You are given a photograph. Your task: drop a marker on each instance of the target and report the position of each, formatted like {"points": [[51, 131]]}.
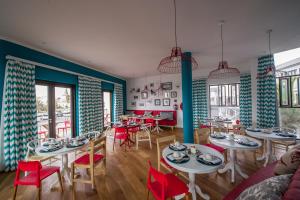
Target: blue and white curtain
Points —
{"points": [[245, 100], [19, 117], [200, 109], [266, 93], [118, 102], [90, 105]]}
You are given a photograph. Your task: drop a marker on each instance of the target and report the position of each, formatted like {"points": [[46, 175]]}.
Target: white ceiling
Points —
{"points": [[129, 38]]}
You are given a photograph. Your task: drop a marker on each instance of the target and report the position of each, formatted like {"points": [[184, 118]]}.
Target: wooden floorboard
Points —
{"points": [[126, 177]]}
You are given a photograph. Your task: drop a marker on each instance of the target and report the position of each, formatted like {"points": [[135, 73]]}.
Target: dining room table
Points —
{"points": [[128, 127], [64, 147], [234, 143], [268, 136], [157, 119], [193, 165]]}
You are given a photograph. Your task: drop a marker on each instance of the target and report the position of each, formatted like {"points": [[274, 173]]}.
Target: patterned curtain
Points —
{"points": [[19, 118], [118, 102], [90, 105], [245, 100], [200, 111], [266, 93]]}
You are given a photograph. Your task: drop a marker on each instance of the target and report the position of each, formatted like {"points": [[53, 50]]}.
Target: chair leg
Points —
{"points": [[40, 192], [137, 141], [114, 144], [150, 140], [187, 197], [15, 192], [92, 177], [148, 194], [60, 181]]}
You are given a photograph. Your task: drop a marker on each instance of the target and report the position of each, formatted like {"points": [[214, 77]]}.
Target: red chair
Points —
{"points": [[36, 174], [121, 134], [165, 185], [65, 128], [150, 121]]}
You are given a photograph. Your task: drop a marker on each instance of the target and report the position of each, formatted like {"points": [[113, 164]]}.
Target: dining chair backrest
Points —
{"points": [[161, 140], [158, 177], [32, 145], [201, 135], [96, 145]]}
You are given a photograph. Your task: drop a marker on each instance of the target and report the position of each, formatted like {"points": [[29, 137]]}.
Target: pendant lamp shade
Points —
{"points": [[172, 64], [224, 72]]}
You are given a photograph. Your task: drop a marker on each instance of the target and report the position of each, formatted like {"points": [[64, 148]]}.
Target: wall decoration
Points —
{"points": [[135, 97], [157, 102], [150, 101], [132, 90], [173, 94], [175, 100], [167, 94], [151, 84], [166, 102], [133, 103], [144, 95], [141, 104], [152, 92], [138, 90], [175, 107], [166, 86]]}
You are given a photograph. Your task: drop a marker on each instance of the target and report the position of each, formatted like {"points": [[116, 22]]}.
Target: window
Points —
{"points": [[55, 109], [289, 91], [224, 100]]}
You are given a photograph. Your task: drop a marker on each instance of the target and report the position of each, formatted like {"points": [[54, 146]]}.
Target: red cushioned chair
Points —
{"points": [[89, 160], [151, 122], [121, 134], [165, 186], [36, 174]]}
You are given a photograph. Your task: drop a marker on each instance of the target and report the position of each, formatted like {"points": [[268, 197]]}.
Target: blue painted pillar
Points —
{"points": [[186, 77]]}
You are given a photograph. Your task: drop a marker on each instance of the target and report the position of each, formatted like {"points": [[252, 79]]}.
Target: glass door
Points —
{"points": [[55, 108], [107, 107]]}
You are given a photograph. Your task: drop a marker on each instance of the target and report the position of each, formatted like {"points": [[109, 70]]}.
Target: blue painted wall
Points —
{"points": [[10, 48]]}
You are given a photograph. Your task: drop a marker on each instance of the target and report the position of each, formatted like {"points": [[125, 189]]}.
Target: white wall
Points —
{"points": [[149, 103], [249, 67]]}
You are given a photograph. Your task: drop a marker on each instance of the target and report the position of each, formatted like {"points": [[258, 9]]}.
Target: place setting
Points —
{"points": [[218, 135], [177, 146], [284, 132], [178, 157], [50, 145], [208, 159], [74, 143]]}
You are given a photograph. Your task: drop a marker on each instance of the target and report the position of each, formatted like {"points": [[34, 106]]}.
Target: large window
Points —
{"points": [[55, 109], [288, 92], [224, 101]]}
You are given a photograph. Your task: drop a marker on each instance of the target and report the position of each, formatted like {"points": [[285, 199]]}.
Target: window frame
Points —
{"points": [[220, 90], [290, 91]]}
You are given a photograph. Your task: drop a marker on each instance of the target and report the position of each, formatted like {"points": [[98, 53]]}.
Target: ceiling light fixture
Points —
{"points": [[223, 71], [172, 64]]}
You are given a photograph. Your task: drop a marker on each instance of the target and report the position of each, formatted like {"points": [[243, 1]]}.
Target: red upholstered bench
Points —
{"points": [[165, 122], [292, 193]]}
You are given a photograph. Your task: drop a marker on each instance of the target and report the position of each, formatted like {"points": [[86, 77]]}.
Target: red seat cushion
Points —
{"points": [[293, 191], [219, 149], [31, 178], [85, 159], [175, 187], [163, 161]]}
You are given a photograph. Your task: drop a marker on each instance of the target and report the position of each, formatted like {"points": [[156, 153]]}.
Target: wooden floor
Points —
{"points": [[126, 177]]}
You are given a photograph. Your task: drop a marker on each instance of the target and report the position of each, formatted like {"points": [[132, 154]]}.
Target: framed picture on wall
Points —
{"points": [[133, 103], [142, 104], [173, 94], [157, 102], [144, 95], [166, 102], [167, 94], [135, 97], [166, 86]]}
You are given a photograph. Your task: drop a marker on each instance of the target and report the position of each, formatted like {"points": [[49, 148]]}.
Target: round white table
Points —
{"points": [[233, 146], [268, 137], [64, 151], [157, 128], [193, 167]]}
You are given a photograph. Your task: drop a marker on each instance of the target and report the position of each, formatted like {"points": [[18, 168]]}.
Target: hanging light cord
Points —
{"points": [[174, 1], [269, 32], [222, 41]]}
